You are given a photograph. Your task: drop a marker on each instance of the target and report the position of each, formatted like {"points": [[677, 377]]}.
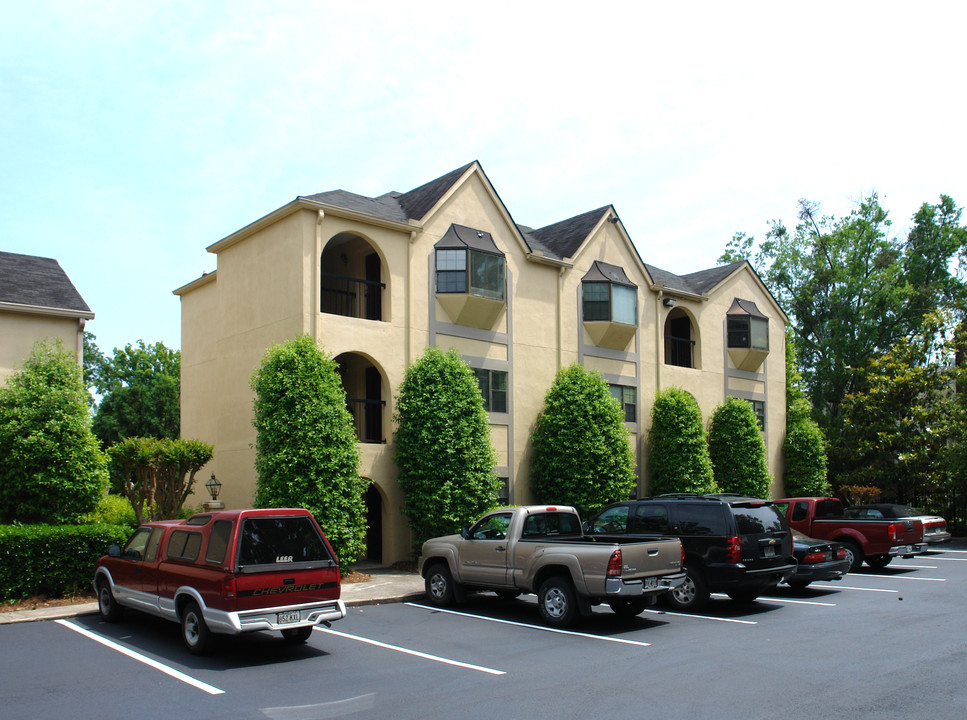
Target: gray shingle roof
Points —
{"points": [[385, 206], [38, 281], [562, 239], [697, 283], [417, 202]]}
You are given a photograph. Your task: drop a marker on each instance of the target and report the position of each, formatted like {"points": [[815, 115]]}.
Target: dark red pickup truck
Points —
{"points": [[875, 541], [225, 572]]}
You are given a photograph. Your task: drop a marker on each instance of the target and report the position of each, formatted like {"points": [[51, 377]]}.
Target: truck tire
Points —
{"points": [[106, 604], [439, 585], [878, 561], [692, 594], [853, 554], [194, 631], [297, 636], [557, 601], [627, 608]]}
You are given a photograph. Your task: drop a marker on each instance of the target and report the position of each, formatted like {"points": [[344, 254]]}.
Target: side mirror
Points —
{"points": [[465, 533], [114, 551]]}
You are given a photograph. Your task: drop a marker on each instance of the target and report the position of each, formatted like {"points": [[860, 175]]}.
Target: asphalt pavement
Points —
{"points": [[385, 586]]}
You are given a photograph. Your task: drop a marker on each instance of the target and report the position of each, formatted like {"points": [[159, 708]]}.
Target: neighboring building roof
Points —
{"points": [[697, 283], [562, 239], [38, 282], [418, 202]]}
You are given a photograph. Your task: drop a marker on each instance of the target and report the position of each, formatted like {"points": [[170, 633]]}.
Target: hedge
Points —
{"points": [[52, 560]]}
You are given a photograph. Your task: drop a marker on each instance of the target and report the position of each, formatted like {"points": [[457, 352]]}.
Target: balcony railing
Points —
{"points": [[351, 297], [678, 351], [368, 419]]}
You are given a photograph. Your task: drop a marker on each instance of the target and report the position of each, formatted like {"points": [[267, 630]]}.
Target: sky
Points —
{"points": [[133, 135]]}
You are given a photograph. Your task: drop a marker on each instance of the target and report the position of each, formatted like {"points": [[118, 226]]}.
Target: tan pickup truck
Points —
{"points": [[543, 550]]}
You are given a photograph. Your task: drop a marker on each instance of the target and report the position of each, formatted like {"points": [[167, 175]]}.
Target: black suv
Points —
{"points": [[738, 545]]}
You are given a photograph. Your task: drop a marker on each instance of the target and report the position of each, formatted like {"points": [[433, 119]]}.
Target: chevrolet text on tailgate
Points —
{"points": [[225, 572], [543, 550]]}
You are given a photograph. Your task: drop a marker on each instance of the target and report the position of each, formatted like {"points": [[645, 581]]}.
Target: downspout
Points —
{"points": [[560, 319], [659, 348], [316, 304], [407, 322], [81, 324]]}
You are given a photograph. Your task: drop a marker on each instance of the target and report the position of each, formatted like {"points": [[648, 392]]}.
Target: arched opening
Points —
{"points": [[374, 521], [351, 278], [679, 339], [363, 383]]}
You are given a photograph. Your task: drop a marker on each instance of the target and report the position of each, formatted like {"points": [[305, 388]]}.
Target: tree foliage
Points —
{"points": [[305, 447], [51, 468], [678, 459], [444, 454], [139, 388], [157, 475], [582, 455], [737, 450]]}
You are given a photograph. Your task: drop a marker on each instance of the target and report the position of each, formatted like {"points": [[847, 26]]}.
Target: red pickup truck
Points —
{"points": [[225, 572], [875, 541]]}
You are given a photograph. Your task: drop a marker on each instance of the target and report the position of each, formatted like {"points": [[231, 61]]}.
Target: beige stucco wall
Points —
{"points": [[266, 290], [19, 332]]}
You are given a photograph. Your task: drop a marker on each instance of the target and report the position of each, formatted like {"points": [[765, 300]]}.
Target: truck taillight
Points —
{"points": [[892, 532], [733, 549], [614, 564], [228, 588]]}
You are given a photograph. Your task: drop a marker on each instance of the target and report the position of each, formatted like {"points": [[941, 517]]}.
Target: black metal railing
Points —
{"points": [[678, 351], [368, 419], [352, 297]]}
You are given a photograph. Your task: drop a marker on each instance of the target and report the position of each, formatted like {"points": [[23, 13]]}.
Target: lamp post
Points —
{"points": [[213, 487]]}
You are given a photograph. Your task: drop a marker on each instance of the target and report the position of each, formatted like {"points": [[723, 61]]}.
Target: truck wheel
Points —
{"points": [[557, 601], [853, 554], [628, 608], [690, 595], [106, 604], [878, 561], [194, 631], [439, 585], [297, 636]]}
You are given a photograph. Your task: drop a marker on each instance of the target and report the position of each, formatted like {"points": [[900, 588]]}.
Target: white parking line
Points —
{"points": [[772, 598], [703, 617], [902, 577], [946, 559], [177, 675], [533, 627], [850, 587], [915, 567], [407, 651]]}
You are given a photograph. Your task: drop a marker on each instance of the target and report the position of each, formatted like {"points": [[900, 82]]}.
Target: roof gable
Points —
{"points": [[563, 239], [38, 282], [418, 202]]}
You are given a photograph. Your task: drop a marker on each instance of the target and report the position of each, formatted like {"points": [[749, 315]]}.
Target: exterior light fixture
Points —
{"points": [[213, 487], [669, 302]]}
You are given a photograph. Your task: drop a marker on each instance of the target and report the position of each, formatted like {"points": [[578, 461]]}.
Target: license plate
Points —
{"points": [[769, 551], [289, 617], [651, 583]]}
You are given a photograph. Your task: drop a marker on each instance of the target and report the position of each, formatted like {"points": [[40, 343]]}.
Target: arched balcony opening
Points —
{"points": [[363, 383], [351, 278], [680, 340]]}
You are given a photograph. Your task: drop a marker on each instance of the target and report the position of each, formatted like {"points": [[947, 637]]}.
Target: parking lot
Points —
{"points": [[888, 641]]}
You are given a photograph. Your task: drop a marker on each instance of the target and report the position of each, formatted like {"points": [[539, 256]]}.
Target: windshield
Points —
{"points": [[758, 519]]}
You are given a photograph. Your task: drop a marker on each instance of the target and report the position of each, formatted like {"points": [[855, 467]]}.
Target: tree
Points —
{"points": [[139, 387], [51, 468], [305, 445], [444, 455], [679, 459], [737, 450], [157, 475], [804, 448], [582, 455]]}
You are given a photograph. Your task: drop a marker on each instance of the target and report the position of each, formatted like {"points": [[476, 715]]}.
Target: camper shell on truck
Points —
{"points": [[542, 549], [226, 572]]}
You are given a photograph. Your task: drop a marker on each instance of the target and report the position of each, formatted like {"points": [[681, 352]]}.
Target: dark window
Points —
{"points": [[151, 550], [758, 519], [184, 545], [828, 508], [551, 524], [801, 511], [612, 520], [745, 331], [483, 275], [651, 519], [610, 302], [135, 547], [503, 491], [492, 527], [701, 520], [759, 408], [679, 345], [493, 388], [218, 542], [274, 540], [627, 397]]}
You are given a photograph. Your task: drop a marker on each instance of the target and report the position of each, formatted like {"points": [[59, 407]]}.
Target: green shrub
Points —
{"points": [[582, 456], [805, 455], [112, 510], [444, 454], [52, 560], [305, 443], [51, 467], [679, 460], [737, 450]]}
